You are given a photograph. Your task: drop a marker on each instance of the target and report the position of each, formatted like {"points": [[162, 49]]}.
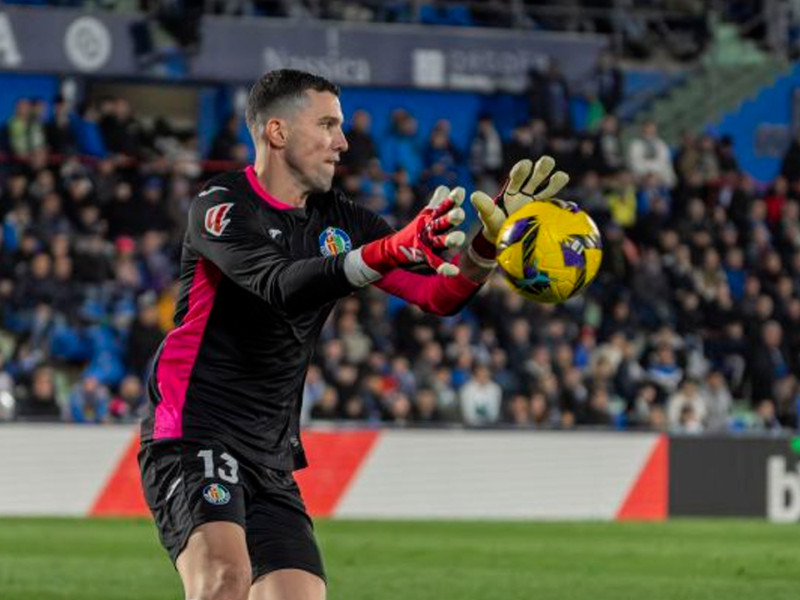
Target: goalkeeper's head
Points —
{"points": [[295, 119]]}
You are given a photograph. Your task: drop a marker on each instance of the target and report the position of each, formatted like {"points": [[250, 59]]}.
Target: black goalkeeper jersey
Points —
{"points": [[258, 280]]}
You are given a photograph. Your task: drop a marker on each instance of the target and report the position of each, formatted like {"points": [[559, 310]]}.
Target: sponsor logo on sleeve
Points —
{"points": [[215, 220], [333, 241]]}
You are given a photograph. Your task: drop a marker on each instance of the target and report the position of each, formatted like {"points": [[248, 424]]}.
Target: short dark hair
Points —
{"points": [[281, 86]]}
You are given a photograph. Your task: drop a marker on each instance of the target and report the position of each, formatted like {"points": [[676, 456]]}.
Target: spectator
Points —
{"points": [[121, 132], [541, 412], [726, 154], [144, 336], [480, 398], [597, 410], [519, 411], [520, 145], [549, 97], [402, 148], [442, 159], [426, 406], [376, 189], [25, 130], [647, 407], [59, 133], [765, 417], [88, 134], [649, 154], [153, 213], [768, 362], [361, 145], [687, 409], [328, 405], [607, 81], [89, 401], [776, 200], [664, 370], [790, 166], [40, 402], [226, 140], [609, 146], [399, 408], [130, 402], [486, 156], [719, 401]]}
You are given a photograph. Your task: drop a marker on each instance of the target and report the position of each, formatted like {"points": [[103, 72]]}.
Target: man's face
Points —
{"points": [[316, 141]]}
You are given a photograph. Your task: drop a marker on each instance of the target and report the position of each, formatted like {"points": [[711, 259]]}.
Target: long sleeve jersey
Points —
{"points": [[258, 280]]}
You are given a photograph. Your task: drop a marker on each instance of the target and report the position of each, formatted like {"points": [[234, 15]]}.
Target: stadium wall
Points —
{"points": [[763, 126], [460, 474]]}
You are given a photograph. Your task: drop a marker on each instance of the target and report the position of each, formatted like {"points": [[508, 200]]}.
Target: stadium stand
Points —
{"points": [[693, 324]]}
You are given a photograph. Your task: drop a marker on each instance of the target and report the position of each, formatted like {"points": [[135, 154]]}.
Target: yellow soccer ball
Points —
{"points": [[549, 251]]}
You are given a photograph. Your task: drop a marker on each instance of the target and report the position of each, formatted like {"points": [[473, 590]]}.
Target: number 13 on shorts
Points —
{"points": [[227, 471]]}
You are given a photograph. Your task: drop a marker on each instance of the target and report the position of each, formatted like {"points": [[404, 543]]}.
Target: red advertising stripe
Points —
{"points": [[649, 497], [334, 459], [122, 494]]}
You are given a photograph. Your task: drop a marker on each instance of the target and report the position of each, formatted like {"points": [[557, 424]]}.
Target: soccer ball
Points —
{"points": [[549, 251]]}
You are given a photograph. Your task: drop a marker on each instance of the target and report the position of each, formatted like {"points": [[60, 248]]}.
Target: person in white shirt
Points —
{"points": [[481, 398], [650, 154]]}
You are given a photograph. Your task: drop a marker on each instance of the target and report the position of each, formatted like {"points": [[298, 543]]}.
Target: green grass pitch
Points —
{"points": [[76, 559]]}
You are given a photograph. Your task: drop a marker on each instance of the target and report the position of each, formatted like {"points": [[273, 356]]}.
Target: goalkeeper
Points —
{"points": [[267, 252]]}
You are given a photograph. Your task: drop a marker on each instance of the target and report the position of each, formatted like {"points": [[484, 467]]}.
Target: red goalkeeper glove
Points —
{"points": [[420, 242]]}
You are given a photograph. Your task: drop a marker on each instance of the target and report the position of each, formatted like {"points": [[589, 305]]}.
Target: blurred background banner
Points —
{"points": [[125, 45], [428, 474]]}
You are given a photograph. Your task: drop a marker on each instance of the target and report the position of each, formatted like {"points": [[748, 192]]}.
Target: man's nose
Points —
{"points": [[340, 143]]}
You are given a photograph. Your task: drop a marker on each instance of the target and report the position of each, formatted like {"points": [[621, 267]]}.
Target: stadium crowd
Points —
{"points": [[693, 324]]}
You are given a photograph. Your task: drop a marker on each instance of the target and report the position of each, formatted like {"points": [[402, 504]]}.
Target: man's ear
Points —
{"points": [[276, 132]]}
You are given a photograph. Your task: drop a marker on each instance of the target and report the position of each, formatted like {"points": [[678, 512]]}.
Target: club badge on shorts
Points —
{"points": [[217, 494], [333, 241]]}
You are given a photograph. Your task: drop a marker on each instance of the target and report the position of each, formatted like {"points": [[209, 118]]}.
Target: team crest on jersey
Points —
{"points": [[216, 494], [215, 218], [334, 241]]}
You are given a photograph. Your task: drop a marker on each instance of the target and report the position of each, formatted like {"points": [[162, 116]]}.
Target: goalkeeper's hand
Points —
{"points": [[420, 242], [520, 189]]}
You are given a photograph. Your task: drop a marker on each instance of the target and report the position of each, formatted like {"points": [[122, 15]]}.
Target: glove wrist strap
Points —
{"points": [[377, 256], [482, 252], [483, 247], [357, 271]]}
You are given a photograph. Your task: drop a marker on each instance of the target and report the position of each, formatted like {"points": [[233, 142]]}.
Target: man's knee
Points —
{"points": [[221, 581], [288, 584]]}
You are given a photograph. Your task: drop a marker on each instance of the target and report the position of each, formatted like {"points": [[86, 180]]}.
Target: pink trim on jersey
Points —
{"points": [[432, 293], [265, 195], [180, 350]]}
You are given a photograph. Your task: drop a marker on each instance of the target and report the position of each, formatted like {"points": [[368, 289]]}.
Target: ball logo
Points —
{"points": [[87, 44], [334, 241], [215, 218], [216, 494]]}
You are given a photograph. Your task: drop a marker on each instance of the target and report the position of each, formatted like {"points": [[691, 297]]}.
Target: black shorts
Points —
{"points": [[187, 484]]}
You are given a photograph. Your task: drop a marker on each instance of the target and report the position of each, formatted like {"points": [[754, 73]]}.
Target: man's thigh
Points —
{"points": [[185, 487], [280, 534], [214, 565]]}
